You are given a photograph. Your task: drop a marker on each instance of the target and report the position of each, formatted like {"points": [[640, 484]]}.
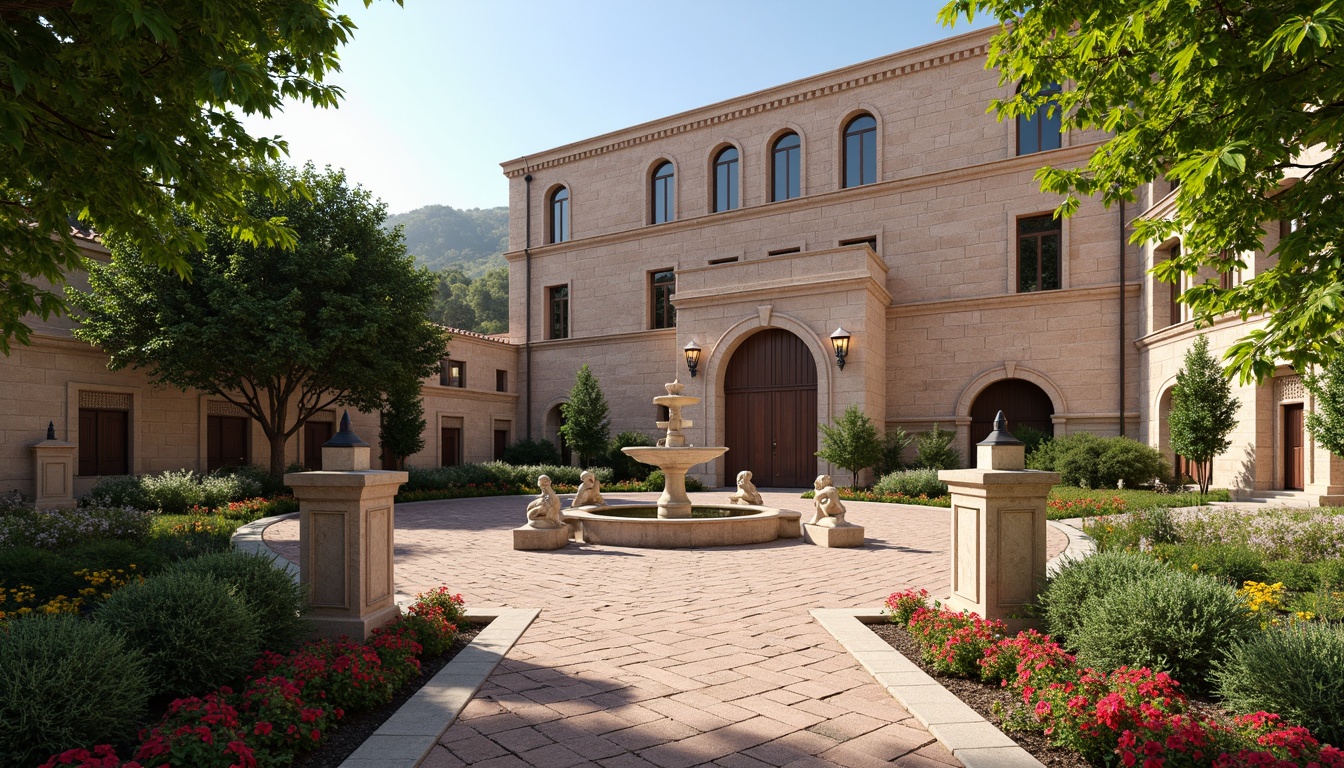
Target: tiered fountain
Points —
{"points": [[675, 521]]}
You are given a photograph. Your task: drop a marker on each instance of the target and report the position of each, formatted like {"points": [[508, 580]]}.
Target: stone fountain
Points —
{"points": [[675, 521]]}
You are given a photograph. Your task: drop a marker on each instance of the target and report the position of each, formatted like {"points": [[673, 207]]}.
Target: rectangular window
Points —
{"points": [[663, 285], [871, 242], [226, 442], [104, 442], [1174, 292], [557, 315], [453, 373], [1038, 262], [501, 381]]}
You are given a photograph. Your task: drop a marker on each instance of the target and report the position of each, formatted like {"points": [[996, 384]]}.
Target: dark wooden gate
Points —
{"points": [[770, 394], [1293, 444], [315, 433], [1024, 405], [451, 440], [225, 441]]}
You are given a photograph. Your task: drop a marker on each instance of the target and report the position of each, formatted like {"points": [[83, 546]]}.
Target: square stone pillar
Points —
{"points": [[345, 538], [54, 472], [998, 531]]}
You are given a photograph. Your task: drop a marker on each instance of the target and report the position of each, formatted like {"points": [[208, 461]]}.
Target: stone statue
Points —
{"points": [[746, 490], [544, 511], [830, 512], [590, 492]]}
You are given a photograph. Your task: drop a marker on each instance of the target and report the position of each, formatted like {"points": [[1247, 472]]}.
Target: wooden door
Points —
{"points": [[1023, 404], [451, 440], [770, 392], [226, 442], [315, 433], [501, 442], [104, 440], [1293, 448]]}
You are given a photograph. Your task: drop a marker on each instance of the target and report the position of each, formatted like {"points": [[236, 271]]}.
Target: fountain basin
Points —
{"points": [[674, 460], [709, 525]]}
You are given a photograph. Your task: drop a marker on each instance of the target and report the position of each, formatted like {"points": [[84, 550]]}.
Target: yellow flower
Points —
{"points": [[1194, 566]]}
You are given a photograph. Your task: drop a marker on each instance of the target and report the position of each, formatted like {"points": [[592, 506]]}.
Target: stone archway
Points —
{"points": [[555, 418], [770, 410], [1023, 403]]}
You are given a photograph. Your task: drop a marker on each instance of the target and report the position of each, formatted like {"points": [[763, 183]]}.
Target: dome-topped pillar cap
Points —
{"points": [[1000, 435], [345, 437]]}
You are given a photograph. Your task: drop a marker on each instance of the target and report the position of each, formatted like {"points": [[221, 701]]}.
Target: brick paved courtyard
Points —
{"points": [[674, 658]]}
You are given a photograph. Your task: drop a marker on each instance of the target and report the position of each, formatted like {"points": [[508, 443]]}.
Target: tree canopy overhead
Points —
{"points": [[281, 333], [122, 112], [1241, 103]]}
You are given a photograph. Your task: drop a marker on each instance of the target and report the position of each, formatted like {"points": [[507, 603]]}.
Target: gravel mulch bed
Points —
{"points": [[981, 698], [355, 729]]}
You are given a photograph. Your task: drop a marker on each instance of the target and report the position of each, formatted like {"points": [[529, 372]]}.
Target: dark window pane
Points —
{"points": [[861, 151], [1040, 131], [1037, 224], [1026, 264], [560, 216], [1049, 262], [1026, 136], [853, 160], [788, 140], [787, 154], [725, 180], [732, 185], [1050, 129], [870, 157]]}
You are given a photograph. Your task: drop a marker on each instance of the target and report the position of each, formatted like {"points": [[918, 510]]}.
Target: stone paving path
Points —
{"points": [[674, 658]]}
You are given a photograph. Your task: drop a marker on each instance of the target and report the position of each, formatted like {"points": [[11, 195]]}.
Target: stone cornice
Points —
{"points": [[940, 53], [439, 391], [607, 338], [1009, 300], [1002, 167], [1186, 329]]}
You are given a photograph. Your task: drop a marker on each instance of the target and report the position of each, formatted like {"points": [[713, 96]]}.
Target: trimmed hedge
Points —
{"points": [[1078, 581], [274, 599]]}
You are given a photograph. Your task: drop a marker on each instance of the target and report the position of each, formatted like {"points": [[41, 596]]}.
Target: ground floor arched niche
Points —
{"points": [[1023, 403], [555, 419], [770, 410]]}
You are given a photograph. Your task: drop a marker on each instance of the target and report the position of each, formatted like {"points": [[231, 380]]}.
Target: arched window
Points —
{"points": [[664, 194], [861, 151], [786, 167], [1041, 130], [725, 180], [560, 215]]}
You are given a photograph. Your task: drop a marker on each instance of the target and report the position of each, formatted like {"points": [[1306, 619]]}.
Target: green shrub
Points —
{"points": [[1045, 454], [1233, 563], [1296, 671], [1031, 438], [912, 482], [218, 490], [622, 466], [173, 492], [194, 632], [67, 683], [935, 449], [111, 553], [119, 491], [179, 536], [531, 451], [1078, 581], [48, 573], [498, 473], [1294, 576], [274, 599], [1089, 461], [894, 443], [1173, 622]]}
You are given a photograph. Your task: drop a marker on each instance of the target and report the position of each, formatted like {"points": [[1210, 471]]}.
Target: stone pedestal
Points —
{"points": [[54, 472], [529, 538], [790, 524], [345, 539], [843, 535]]}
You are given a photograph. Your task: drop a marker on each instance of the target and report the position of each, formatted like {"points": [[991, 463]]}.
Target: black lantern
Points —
{"points": [[692, 351], [840, 341]]}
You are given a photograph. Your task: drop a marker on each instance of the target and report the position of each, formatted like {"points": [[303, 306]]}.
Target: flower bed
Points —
{"points": [[889, 498], [1110, 717], [1065, 501], [652, 484], [291, 703]]}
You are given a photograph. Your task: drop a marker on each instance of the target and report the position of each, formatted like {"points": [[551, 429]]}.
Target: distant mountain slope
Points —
{"points": [[440, 236]]}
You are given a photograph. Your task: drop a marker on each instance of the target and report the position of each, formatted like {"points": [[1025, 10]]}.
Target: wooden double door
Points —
{"points": [[770, 392], [1294, 444]]}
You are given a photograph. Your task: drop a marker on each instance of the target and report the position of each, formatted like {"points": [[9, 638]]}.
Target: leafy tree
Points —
{"points": [[401, 423], [894, 443], [1325, 421], [121, 113], [452, 303], [531, 451], [489, 297], [1235, 101], [587, 429], [935, 449], [1203, 411], [281, 333], [851, 443]]}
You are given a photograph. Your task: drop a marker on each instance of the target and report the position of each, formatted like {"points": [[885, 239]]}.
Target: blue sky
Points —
{"points": [[440, 92]]}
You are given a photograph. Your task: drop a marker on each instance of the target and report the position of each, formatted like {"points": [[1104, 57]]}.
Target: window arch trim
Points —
{"points": [[564, 228], [734, 180], [770, 148], [662, 190], [842, 127]]}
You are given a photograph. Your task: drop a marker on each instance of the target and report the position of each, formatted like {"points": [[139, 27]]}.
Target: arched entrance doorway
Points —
{"points": [[555, 419], [770, 399], [1024, 405]]}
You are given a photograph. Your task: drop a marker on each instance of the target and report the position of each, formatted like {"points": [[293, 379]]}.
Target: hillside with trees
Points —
{"points": [[464, 247]]}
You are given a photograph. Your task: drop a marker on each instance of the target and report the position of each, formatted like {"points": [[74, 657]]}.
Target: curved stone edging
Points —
{"points": [[972, 739], [249, 538], [1080, 546]]}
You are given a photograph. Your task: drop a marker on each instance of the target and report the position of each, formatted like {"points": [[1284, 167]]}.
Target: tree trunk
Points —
{"points": [[277, 440]]}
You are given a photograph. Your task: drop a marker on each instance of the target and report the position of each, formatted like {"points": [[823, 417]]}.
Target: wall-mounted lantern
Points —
{"points": [[840, 341], [692, 351]]}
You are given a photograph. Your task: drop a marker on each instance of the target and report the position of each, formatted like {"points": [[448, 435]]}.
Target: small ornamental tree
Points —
{"points": [[401, 423], [1203, 411], [1325, 422], [935, 449], [851, 443], [587, 428]]}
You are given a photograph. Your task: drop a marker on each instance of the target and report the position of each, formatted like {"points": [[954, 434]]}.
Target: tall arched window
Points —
{"points": [[725, 180], [560, 215], [861, 151], [786, 167], [1041, 130], [664, 194]]}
